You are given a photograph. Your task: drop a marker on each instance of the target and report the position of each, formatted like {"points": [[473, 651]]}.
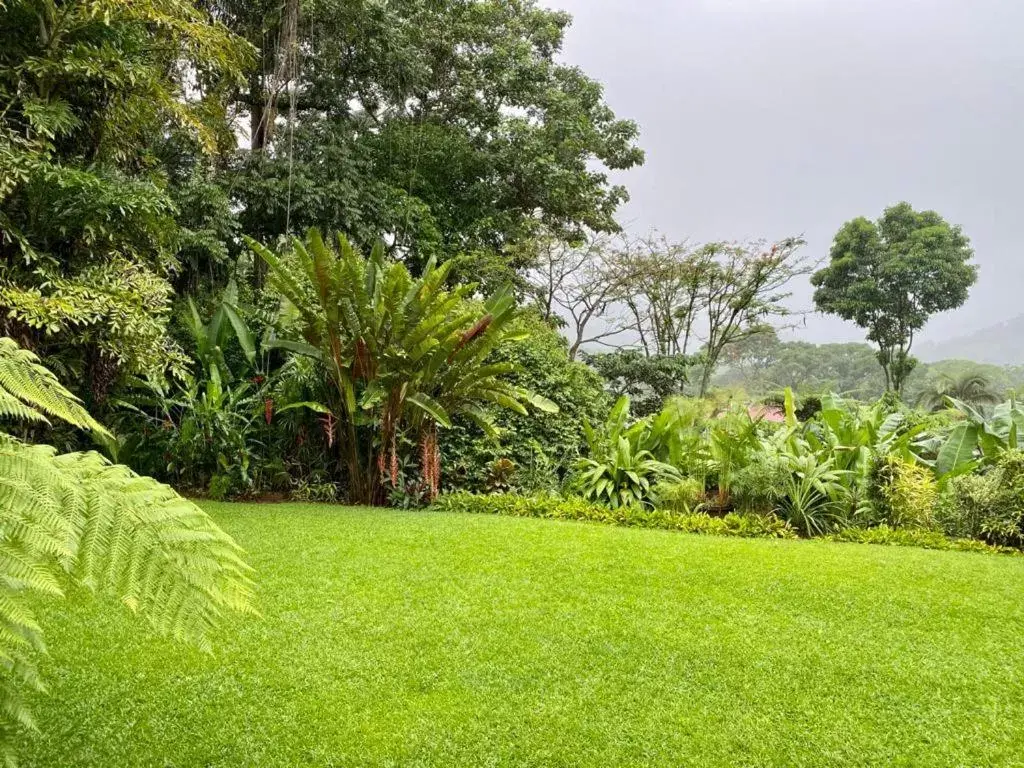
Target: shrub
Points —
{"points": [[814, 498], [574, 508], [543, 446], [648, 380], [913, 537], [988, 506], [620, 470], [681, 496], [903, 494], [965, 502], [220, 487], [310, 490], [760, 484]]}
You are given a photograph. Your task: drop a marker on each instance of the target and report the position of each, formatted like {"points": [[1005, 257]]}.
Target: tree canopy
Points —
{"points": [[91, 93], [445, 126], [890, 276]]}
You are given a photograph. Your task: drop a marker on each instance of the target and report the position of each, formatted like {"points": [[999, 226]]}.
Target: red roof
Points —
{"points": [[770, 413]]}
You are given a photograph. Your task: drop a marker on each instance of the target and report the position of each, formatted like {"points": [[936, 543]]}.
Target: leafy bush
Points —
{"points": [[648, 380], [760, 484], [574, 508], [681, 496], [903, 493], [305, 490], [988, 506], [500, 475], [543, 446], [620, 470], [965, 502], [200, 437], [914, 537], [814, 497]]}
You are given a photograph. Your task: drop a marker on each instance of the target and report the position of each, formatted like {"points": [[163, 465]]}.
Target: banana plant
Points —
{"points": [[853, 435], [978, 438]]}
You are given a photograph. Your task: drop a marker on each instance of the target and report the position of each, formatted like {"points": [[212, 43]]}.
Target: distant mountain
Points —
{"points": [[1001, 344]]}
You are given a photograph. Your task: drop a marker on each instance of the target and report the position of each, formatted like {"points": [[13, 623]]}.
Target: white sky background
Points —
{"points": [[766, 118]]}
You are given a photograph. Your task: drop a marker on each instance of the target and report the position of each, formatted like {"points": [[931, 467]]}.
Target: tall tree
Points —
{"points": [[449, 127], [891, 275], [580, 286], [747, 287], [667, 289]]}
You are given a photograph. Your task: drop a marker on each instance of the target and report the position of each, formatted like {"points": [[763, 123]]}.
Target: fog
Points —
{"points": [[766, 118]]}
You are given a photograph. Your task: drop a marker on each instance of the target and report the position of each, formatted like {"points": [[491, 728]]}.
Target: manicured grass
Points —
{"points": [[426, 639]]}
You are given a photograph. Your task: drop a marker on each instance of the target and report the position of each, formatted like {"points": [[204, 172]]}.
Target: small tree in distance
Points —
{"points": [[747, 291], [890, 276], [578, 285]]}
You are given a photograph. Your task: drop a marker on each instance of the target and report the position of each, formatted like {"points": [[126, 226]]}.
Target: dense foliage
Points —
{"points": [[404, 356], [92, 94], [473, 320], [648, 380], [451, 126], [535, 451]]}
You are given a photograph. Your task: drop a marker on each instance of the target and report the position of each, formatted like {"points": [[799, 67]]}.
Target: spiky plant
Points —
{"points": [[78, 519], [403, 353]]}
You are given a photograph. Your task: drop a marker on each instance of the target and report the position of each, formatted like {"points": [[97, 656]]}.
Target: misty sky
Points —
{"points": [[765, 118]]}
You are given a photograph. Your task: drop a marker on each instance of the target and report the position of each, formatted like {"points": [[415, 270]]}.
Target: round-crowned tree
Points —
{"points": [[889, 276]]}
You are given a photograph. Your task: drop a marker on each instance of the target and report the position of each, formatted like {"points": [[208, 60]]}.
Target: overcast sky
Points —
{"points": [[765, 118]]}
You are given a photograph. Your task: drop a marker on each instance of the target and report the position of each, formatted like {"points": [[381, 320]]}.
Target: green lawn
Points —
{"points": [[418, 639]]}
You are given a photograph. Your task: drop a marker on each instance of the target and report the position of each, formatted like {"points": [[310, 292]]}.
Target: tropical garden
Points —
{"points": [[319, 338]]}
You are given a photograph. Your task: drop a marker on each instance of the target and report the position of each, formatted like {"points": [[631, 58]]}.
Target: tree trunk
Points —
{"points": [[430, 460], [359, 490], [705, 378]]}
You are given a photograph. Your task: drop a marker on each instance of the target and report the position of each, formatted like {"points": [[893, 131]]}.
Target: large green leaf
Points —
{"points": [[432, 407], [298, 347], [958, 448], [242, 332], [308, 404], [539, 402], [790, 408]]}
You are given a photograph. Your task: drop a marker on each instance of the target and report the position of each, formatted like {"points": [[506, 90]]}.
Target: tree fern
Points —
{"points": [[76, 518]]}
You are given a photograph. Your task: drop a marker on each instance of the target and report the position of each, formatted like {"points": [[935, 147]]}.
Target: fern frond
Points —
{"points": [[30, 392], [78, 518]]}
